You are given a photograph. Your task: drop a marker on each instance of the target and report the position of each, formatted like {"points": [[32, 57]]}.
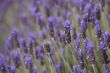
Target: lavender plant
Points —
{"points": [[55, 36]]}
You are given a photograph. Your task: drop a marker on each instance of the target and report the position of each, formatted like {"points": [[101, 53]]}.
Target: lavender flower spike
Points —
{"points": [[80, 58], [67, 31], [12, 69]]}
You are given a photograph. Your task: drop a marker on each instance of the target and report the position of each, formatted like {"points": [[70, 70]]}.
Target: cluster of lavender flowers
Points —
{"points": [[58, 45]]}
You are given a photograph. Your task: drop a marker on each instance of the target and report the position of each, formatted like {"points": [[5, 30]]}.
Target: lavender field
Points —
{"points": [[54, 36]]}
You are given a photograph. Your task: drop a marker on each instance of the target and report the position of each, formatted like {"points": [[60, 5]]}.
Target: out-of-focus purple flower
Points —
{"points": [[89, 48], [29, 63], [106, 37], [58, 68], [97, 11], [35, 70], [47, 46], [87, 8], [42, 34], [80, 57], [32, 43], [98, 29], [67, 15], [67, 31], [74, 69], [103, 54], [51, 25], [77, 69], [44, 71], [47, 9], [2, 65], [24, 45], [41, 20], [12, 69], [42, 58], [83, 3], [83, 27], [16, 58], [63, 38], [78, 42], [106, 69], [14, 38]]}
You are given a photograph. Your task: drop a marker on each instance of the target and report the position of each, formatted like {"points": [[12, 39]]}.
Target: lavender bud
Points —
{"points": [[83, 3], [32, 44], [78, 42], [29, 63], [2, 65], [67, 31], [41, 20], [80, 58], [106, 69], [83, 26], [47, 47], [106, 37], [103, 55], [51, 26], [14, 37], [74, 69], [63, 38], [87, 8], [12, 69], [42, 58], [97, 11], [23, 45], [44, 71], [58, 68], [16, 58], [90, 53], [98, 29], [35, 70]]}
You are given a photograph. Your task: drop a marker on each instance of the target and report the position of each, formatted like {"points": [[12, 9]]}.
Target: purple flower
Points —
{"points": [[63, 38], [14, 38], [106, 37], [51, 25], [78, 42], [83, 3], [44, 71], [24, 45], [42, 58], [12, 69], [87, 8], [58, 68], [47, 46], [83, 27], [29, 62], [80, 58], [98, 29], [32, 43], [41, 20], [67, 31], [2, 65], [97, 11], [103, 54], [89, 47], [35, 70], [106, 69], [16, 58]]}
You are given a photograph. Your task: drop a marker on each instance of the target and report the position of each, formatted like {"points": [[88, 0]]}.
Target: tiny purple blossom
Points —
{"points": [[12, 69]]}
